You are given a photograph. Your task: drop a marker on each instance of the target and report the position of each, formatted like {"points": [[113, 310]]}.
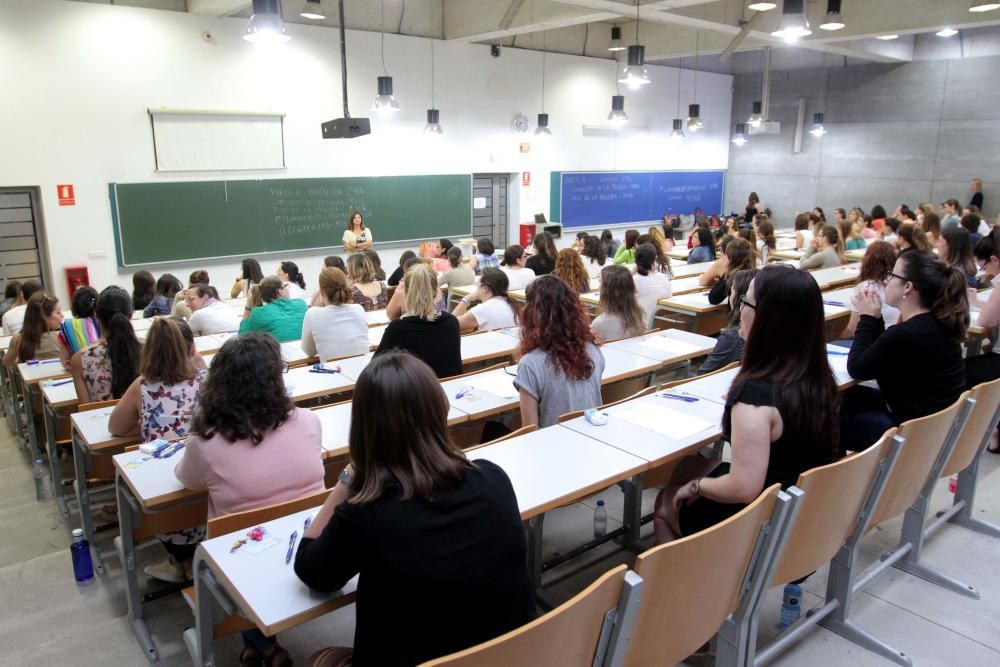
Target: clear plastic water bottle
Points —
{"points": [[791, 606], [600, 520], [83, 566], [41, 483]]}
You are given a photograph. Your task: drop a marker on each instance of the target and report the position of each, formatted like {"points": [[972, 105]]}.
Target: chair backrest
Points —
{"points": [[96, 405], [230, 523], [727, 367], [579, 413], [567, 635], [832, 499], [476, 372], [513, 434], [924, 439], [692, 584], [979, 426]]}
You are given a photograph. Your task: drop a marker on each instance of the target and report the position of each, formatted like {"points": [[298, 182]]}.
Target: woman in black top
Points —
{"points": [[750, 209], [917, 362], [423, 331], [739, 256], [543, 261], [781, 411], [436, 538]]}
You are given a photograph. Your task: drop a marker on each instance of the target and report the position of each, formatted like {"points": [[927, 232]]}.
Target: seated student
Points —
{"points": [[912, 236], [181, 308], [619, 312], [13, 319], [660, 240], [250, 274], [781, 410], [610, 243], [970, 223], [560, 368], [889, 230], [11, 295], [423, 330], [38, 337], [955, 250], [703, 248], [650, 285], [851, 235], [878, 216], [104, 370], [337, 328], [514, 260], [803, 235], [984, 253], [335, 262], [496, 310], [594, 257], [397, 303], [985, 367], [918, 362], [729, 346], [932, 227], [543, 261], [626, 252], [278, 315], [251, 447], [143, 289], [208, 314], [376, 263], [950, 214], [366, 290], [398, 273], [875, 269], [82, 329], [826, 250], [662, 262], [459, 275], [484, 257], [570, 269], [718, 268], [739, 257], [578, 242], [982, 228], [766, 242], [440, 262], [436, 538], [167, 288], [293, 283]]}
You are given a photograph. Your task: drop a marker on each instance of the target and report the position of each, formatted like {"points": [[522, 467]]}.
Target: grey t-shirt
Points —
{"points": [[556, 394]]}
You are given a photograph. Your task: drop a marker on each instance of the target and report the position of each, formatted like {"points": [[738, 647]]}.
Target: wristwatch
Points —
{"points": [[345, 477]]}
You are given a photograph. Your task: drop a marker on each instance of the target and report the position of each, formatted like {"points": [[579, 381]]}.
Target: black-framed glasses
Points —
{"points": [[892, 275], [746, 304]]}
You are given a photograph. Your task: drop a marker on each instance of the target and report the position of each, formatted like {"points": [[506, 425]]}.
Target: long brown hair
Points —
{"points": [[915, 236], [618, 299], [570, 268], [498, 282], [942, 290], [166, 355], [741, 257], [878, 262], [407, 448], [553, 320], [40, 306], [829, 232]]}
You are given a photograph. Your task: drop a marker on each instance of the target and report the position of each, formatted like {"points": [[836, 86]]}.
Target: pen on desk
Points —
{"points": [[837, 353], [36, 362], [291, 546], [307, 523], [61, 383], [686, 399], [463, 392], [835, 303]]}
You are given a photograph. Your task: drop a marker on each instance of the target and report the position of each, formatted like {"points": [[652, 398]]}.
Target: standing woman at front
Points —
{"points": [[781, 410], [750, 209], [357, 237], [560, 369], [104, 370]]}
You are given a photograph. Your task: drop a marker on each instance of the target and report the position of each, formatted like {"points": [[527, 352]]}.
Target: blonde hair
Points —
{"points": [[421, 292], [659, 238], [360, 269]]}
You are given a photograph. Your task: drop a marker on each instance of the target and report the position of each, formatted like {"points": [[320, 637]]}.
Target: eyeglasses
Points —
{"points": [[892, 275], [746, 304]]}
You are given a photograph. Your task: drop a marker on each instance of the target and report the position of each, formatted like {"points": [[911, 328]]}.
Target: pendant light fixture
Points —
{"points": [[385, 104], [980, 6], [266, 26], [433, 126], [617, 115], [542, 130], [793, 25], [312, 10], [740, 137], [616, 39], [762, 6], [833, 20], [817, 129], [677, 134], [946, 32], [635, 75], [694, 122], [756, 118]]}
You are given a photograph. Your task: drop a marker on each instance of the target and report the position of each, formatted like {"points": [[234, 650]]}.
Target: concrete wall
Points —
{"points": [[897, 133]]}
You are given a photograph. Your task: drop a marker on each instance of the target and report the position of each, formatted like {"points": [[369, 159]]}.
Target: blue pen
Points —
{"points": [[60, 383], [464, 391], [835, 303], [291, 546], [307, 523], [686, 399], [837, 353]]}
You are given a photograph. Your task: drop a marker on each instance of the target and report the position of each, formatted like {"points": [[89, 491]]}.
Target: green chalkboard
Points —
{"points": [[169, 222]]}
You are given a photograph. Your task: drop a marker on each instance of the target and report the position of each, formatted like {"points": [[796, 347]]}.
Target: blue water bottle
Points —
{"points": [[791, 606], [83, 566]]}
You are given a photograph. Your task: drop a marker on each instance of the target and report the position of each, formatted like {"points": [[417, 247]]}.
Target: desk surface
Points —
{"points": [[683, 270], [60, 395], [92, 426], [302, 384], [151, 480], [487, 345], [44, 370], [669, 346], [836, 276], [694, 303]]}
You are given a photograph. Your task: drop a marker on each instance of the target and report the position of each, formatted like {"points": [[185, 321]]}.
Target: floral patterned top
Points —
{"points": [[167, 409], [380, 301], [97, 371]]}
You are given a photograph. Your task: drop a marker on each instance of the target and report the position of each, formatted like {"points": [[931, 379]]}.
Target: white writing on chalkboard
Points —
{"points": [[297, 211]]}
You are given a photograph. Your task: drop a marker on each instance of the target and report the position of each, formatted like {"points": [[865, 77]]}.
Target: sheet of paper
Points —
{"points": [[670, 345], [498, 384], [839, 364], [663, 420]]}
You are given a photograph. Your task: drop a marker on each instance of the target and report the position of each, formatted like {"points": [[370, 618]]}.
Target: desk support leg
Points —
{"points": [[29, 422], [533, 529], [17, 389], [199, 639], [55, 468], [130, 516], [632, 511], [8, 396], [80, 465]]}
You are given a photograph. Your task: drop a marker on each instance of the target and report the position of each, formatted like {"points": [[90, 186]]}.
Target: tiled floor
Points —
{"points": [[46, 619]]}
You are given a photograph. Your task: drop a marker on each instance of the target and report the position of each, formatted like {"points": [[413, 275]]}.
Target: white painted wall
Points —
{"points": [[78, 78]]}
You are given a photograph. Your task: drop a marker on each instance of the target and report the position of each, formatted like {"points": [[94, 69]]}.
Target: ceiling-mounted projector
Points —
{"points": [[346, 127]]}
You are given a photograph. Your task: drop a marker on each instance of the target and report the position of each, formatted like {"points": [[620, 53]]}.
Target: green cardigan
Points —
{"points": [[282, 318], [624, 255]]}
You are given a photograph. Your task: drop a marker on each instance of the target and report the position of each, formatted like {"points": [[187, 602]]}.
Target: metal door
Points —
{"points": [[20, 254], [489, 208]]}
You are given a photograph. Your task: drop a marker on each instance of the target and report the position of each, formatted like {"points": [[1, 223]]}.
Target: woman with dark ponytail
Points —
{"points": [[918, 362], [104, 370], [292, 281]]}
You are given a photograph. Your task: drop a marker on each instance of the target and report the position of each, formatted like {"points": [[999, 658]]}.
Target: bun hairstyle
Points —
{"points": [[512, 255], [498, 283], [333, 284], [114, 313], [199, 276], [294, 276], [455, 256], [941, 289], [83, 302]]}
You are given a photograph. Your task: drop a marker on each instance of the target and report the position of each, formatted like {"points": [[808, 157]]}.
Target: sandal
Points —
{"points": [[250, 657], [277, 657]]}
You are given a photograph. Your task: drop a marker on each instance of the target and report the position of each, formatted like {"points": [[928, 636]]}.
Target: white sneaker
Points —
{"points": [[168, 570]]}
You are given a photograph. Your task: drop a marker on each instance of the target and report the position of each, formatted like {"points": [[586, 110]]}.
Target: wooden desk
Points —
{"points": [[669, 346], [487, 346], [685, 270], [837, 276], [212, 342], [377, 317], [336, 426], [25, 380]]}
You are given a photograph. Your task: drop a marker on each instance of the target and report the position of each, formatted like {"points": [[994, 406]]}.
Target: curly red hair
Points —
{"points": [[554, 321]]}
